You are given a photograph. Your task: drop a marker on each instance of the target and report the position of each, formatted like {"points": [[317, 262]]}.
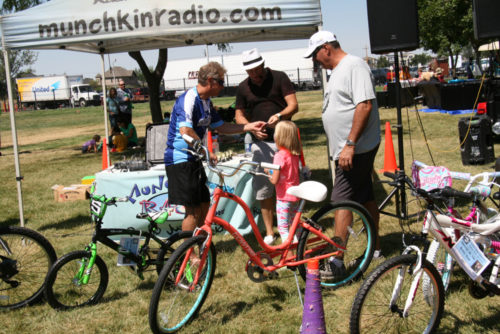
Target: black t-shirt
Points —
{"points": [[261, 102]]}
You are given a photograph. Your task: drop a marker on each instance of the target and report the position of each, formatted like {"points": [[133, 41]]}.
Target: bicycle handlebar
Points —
{"points": [[198, 147]]}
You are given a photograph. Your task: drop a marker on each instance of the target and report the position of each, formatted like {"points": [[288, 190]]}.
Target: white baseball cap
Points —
{"points": [[251, 59], [318, 39]]}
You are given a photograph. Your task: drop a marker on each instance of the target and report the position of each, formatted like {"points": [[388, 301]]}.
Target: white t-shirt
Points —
{"points": [[350, 83]]}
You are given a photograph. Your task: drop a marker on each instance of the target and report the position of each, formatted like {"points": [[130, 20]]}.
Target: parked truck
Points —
{"points": [[54, 91]]}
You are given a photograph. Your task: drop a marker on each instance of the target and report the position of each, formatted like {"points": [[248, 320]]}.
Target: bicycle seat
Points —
{"points": [[309, 190]]}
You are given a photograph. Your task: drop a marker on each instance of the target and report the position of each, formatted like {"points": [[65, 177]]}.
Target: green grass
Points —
{"points": [[49, 142]]}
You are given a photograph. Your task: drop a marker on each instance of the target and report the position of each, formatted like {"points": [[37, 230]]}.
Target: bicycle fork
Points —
{"points": [[417, 272], [83, 275]]}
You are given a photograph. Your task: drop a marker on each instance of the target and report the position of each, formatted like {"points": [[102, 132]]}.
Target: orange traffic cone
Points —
{"points": [[389, 156], [105, 162]]}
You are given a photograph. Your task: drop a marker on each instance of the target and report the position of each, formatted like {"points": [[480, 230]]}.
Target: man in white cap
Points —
{"points": [[269, 96], [352, 125]]}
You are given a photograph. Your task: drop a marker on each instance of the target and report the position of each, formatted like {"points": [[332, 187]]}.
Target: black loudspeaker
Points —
{"points": [[477, 147], [393, 25], [485, 17]]}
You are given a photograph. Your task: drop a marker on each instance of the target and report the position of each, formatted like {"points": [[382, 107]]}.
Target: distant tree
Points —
{"points": [[421, 58], [19, 60], [383, 62], [446, 27], [154, 77]]}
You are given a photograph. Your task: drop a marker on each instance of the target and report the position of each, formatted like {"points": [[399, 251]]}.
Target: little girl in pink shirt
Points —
{"points": [[287, 140]]}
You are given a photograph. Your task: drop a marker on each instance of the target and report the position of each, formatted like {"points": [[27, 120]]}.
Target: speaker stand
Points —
{"points": [[399, 188]]}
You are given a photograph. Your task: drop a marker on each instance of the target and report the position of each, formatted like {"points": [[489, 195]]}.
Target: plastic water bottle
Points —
{"points": [[248, 144], [215, 144]]}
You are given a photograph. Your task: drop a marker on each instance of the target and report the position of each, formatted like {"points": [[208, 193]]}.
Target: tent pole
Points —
{"points": [[105, 104], [14, 133]]}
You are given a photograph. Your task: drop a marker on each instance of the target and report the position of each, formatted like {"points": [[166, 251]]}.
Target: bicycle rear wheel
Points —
{"points": [[63, 286], [380, 302], [25, 258], [359, 247], [173, 305]]}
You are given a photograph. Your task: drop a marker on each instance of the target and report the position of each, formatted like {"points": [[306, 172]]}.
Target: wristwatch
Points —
{"points": [[350, 143], [279, 116]]}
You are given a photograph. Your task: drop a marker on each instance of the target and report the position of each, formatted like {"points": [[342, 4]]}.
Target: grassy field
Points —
{"points": [[49, 142]]}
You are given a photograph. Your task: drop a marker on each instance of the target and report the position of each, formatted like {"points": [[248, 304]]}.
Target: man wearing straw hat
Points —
{"points": [[269, 96]]}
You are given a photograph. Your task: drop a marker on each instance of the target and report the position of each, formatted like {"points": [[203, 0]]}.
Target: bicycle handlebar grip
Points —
{"points": [[450, 192], [188, 138], [391, 175], [460, 176], [419, 164], [121, 199], [269, 166]]}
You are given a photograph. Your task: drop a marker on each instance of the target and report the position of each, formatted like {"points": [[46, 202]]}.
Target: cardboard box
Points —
{"points": [[73, 192]]}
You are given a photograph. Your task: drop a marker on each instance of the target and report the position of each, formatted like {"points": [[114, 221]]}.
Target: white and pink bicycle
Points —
{"points": [[406, 293]]}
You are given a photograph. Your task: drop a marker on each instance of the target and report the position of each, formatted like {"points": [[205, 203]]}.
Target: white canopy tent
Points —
{"points": [[111, 26]]}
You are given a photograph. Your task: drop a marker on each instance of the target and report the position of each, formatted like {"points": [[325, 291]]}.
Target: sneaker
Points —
{"points": [[334, 269], [269, 239], [377, 254]]}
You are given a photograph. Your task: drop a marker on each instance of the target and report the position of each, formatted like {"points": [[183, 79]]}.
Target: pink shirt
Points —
{"points": [[289, 174]]}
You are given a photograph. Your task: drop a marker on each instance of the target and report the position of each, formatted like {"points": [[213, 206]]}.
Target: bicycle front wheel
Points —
{"points": [[379, 305], [360, 243], [173, 305], [168, 248], [25, 258], [64, 288]]}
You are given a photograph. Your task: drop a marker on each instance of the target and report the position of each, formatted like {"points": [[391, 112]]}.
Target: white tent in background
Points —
{"points": [[489, 47], [104, 26]]}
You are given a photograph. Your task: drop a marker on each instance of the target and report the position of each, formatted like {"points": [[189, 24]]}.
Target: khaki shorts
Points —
{"points": [[263, 151]]}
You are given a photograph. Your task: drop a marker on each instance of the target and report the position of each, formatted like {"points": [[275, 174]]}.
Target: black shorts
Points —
{"points": [[356, 184], [187, 184]]}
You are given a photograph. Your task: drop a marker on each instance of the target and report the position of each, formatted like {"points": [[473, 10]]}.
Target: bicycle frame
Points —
{"points": [[273, 251]]}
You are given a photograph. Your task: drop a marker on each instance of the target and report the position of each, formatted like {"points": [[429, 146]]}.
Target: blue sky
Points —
{"points": [[345, 18]]}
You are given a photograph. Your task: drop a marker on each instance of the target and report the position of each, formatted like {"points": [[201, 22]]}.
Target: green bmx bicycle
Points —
{"points": [[80, 278]]}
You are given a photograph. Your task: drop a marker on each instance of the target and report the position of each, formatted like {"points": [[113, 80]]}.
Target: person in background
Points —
{"points": [[128, 129], [470, 65], [124, 97], [191, 115], [119, 140], [91, 145], [166, 117], [113, 107], [269, 96], [287, 140], [352, 125], [391, 75], [439, 74]]}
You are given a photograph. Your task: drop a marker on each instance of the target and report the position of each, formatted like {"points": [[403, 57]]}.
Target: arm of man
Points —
{"points": [[241, 119], [360, 119], [230, 128], [287, 113]]}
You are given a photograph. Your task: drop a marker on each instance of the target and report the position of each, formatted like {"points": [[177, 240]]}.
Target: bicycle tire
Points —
{"points": [[372, 311], [177, 298], [33, 255], [442, 261], [61, 288], [359, 248], [171, 244]]}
